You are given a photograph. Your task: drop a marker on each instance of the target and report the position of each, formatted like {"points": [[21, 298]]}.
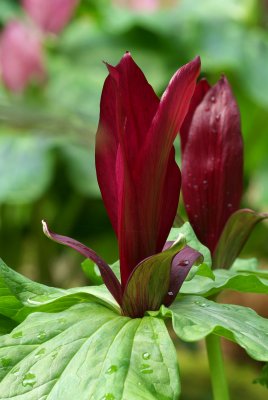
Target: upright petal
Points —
{"points": [[201, 89], [50, 15], [212, 164], [21, 56]]}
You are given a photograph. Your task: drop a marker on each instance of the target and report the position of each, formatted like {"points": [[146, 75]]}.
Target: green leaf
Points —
{"points": [[243, 281], [235, 234], [88, 352], [20, 296], [92, 272], [194, 318], [6, 325], [263, 378], [148, 284], [191, 240]]}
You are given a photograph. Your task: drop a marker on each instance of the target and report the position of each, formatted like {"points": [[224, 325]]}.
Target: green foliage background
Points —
{"points": [[47, 134]]}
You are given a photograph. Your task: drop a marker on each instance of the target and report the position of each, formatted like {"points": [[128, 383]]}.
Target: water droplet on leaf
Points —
{"points": [[29, 380], [41, 335], [108, 396], [147, 356], [146, 369], [17, 335], [184, 263], [111, 370], [40, 353]]}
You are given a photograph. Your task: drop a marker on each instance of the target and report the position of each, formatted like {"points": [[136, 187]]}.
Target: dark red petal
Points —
{"points": [[201, 89], [181, 265], [212, 164], [106, 272], [235, 234], [149, 282], [128, 104]]}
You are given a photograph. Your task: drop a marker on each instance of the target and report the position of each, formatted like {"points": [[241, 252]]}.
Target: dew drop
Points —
{"points": [[17, 335], [108, 396], [187, 206], [29, 380], [229, 205], [15, 371], [205, 182], [201, 303], [170, 293], [147, 356], [195, 216], [218, 117], [207, 109], [62, 320], [184, 263], [40, 353], [146, 369], [5, 362], [54, 355], [112, 369], [154, 336], [213, 99], [41, 335]]}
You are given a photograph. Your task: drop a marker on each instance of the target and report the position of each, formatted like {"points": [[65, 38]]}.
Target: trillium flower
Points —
{"points": [[21, 56], [212, 172], [50, 16], [140, 184]]}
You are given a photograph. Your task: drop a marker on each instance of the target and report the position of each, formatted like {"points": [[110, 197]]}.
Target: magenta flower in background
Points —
{"points": [[50, 16], [21, 56], [139, 5], [140, 184]]}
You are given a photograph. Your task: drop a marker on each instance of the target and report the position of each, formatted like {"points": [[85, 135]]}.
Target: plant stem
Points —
{"points": [[216, 366]]}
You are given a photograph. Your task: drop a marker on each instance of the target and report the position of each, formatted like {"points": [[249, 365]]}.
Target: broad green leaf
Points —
{"points": [[235, 234], [195, 317], [191, 240], [88, 352], [21, 296], [242, 281]]}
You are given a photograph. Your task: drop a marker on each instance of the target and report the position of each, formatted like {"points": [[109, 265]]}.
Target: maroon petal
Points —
{"points": [[149, 282], [181, 265], [201, 89], [235, 234], [106, 272], [128, 105], [212, 164]]}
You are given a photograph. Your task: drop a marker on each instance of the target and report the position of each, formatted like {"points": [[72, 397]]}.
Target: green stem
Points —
{"points": [[216, 366]]}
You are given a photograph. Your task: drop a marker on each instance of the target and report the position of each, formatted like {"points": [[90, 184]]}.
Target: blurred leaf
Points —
{"points": [[80, 164], [263, 378], [26, 166]]}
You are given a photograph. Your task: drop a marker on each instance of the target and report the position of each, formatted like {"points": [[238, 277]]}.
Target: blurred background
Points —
{"points": [[51, 80]]}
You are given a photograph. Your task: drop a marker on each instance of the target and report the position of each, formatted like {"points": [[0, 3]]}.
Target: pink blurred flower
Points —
{"points": [[139, 5], [50, 15], [21, 56]]}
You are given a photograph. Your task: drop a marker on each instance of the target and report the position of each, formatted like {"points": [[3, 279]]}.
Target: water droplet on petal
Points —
{"points": [[111, 370], [184, 263], [212, 99], [187, 206], [147, 356], [205, 181], [29, 380], [229, 205], [17, 335], [170, 293], [218, 116]]}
